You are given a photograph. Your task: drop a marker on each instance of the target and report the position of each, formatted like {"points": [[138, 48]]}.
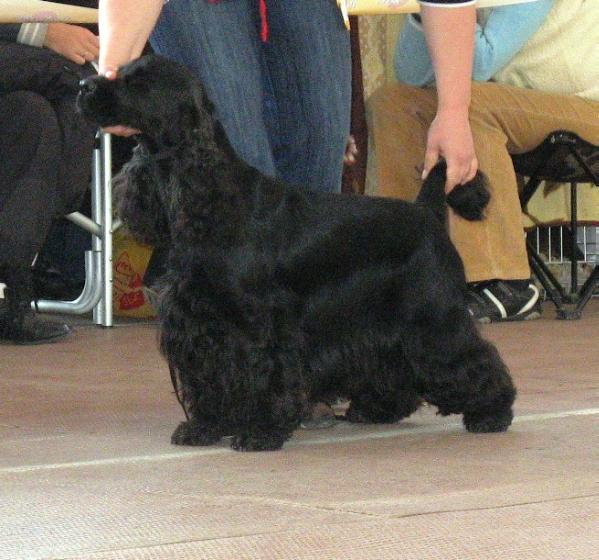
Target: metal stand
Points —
{"points": [[559, 159], [97, 290]]}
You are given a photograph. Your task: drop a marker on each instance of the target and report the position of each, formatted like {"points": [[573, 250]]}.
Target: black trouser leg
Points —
{"points": [[30, 152], [45, 150]]}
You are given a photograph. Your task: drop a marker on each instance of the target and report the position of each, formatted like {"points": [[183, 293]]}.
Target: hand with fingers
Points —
{"points": [[74, 42], [450, 137]]}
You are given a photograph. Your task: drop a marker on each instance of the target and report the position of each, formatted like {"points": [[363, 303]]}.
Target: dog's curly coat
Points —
{"points": [[275, 296]]}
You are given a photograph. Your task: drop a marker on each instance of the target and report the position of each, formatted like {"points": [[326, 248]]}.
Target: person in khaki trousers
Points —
{"points": [[544, 61]]}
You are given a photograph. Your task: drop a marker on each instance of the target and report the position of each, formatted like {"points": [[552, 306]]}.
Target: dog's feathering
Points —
{"points": [[276, 297]]}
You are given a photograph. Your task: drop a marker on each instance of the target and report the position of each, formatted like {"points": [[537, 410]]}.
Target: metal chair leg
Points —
{"points": [[588, 289], [97, 290], [102, 211], [573, 238], [554, 290]]}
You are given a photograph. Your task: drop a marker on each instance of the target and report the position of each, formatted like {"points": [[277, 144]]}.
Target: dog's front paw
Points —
{"points": [[253, 442], [193, 433]]}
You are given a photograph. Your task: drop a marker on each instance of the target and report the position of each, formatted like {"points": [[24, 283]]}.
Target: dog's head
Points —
{"points": [[168, 182], [153, 94]]}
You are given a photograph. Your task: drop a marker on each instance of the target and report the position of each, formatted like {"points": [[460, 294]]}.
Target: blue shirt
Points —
{"points": [[504, 32]]}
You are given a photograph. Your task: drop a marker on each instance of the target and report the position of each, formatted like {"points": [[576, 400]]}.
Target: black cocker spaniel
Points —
{"points": [[278, 296]]}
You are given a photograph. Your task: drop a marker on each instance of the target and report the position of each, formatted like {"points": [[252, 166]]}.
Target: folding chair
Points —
{"points": [[97, 290], [562, 157]]}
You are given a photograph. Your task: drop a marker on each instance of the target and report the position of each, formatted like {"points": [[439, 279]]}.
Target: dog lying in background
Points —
{"points": [[276, 296]]}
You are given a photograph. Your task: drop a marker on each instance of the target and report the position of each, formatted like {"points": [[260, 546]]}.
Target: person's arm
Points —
{"points": [[450, 37], [32, 34], [73, 42], [125, 26]]}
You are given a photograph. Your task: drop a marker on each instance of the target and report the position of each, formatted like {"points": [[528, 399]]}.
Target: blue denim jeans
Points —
{"points": [[285, 103]]}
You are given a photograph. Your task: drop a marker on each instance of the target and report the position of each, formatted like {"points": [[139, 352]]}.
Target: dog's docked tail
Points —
{"points": [[467, 200]]}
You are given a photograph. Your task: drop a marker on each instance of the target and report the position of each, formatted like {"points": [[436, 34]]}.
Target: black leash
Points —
{"points": [[175, 383]]}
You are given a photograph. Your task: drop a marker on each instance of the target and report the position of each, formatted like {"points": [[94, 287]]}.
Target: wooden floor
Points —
{"points": [[87, 471]]}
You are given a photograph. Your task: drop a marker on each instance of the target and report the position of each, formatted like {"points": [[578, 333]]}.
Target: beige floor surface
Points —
{"points": [[87, 471]]}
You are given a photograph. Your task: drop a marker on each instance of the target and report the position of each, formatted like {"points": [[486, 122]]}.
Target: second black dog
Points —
{"points": [[275, 296]]}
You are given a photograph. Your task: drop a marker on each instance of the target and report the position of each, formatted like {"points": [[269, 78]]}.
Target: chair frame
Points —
{"points": [[568, 305], [97, 290]]}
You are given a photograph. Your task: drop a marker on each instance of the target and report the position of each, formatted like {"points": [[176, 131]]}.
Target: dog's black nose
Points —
{"points": [[87, 85]]}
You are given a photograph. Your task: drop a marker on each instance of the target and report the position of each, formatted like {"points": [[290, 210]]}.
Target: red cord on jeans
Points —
{"points": [[263, 19]]}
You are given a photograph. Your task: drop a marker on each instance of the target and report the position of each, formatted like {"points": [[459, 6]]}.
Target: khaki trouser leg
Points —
{"points": [[504, 120]]}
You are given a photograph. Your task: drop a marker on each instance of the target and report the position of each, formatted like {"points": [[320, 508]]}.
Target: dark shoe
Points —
{"points": [[51, 284], [21, 326], [504, 300]]}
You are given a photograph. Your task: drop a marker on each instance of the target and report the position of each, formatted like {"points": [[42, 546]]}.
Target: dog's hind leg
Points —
{"points": [[368, 366], [455, 369], [475, 384], [388, 394], [492, 393], [461, 373]]}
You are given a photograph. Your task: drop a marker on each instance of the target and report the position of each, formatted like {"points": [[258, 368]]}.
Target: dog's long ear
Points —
{"points": [[218, 131], [137, 200], [200, 117]]}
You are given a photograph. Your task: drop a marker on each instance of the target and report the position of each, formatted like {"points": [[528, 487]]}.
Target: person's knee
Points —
{"points": [[28, 103], [398, 98], [384, 98], [30, 142], [29, 117]]}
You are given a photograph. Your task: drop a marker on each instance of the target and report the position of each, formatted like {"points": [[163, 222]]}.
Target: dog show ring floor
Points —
{"points": [[87, 470]]}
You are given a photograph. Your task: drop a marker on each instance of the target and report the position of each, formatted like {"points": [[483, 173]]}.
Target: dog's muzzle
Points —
{"points": [[96, 100]]}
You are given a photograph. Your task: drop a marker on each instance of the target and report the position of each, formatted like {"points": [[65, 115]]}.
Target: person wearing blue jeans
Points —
{"points": [[284, 99]]}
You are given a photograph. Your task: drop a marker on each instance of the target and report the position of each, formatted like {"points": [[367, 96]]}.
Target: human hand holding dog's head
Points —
{"points": [[111, 72], [160, 101]]}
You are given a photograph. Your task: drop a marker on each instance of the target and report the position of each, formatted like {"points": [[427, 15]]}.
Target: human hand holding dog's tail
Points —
{"points": [[450, 137]]}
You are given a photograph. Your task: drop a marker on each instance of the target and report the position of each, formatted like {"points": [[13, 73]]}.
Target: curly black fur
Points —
{"points": [[275, 295]]}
